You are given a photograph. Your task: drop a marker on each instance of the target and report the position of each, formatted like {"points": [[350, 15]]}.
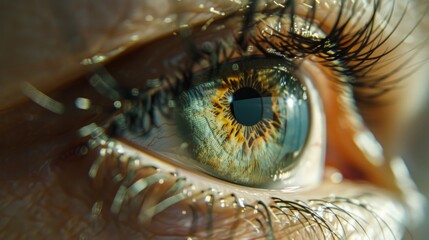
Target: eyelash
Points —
{"points": [[350, 67], [121, 171], [141, 117]]}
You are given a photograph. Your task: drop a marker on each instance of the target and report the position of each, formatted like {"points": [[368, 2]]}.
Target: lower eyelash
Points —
{"points": [[116, 176]]}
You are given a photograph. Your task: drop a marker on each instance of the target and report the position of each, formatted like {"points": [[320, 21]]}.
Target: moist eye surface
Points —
{"points": [[247, 106], [248, 123]]}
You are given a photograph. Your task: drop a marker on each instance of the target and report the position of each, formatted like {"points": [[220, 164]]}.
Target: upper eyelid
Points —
{"points": [[148, 21], [130, 27], [45, 27], [145, 23]]}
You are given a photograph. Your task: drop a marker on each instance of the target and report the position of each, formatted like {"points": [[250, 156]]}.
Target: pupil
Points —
{"points": [[247, 106]]}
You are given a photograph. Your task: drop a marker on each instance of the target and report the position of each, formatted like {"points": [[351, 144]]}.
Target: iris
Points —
{"points": [[248, 123]]}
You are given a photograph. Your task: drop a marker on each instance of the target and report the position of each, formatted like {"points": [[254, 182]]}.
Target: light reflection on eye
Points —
{"points": [[141, 185]]}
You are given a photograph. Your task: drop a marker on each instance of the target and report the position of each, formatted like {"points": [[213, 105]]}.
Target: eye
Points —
{"points": [[166, 129], [182, 108], [249, 123], [248, 117]]}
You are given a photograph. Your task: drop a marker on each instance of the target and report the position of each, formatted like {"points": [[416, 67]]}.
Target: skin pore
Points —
{"points": [[46, 157]]}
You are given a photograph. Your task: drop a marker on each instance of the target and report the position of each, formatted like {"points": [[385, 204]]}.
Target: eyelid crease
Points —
{"points": [[103, 37]]}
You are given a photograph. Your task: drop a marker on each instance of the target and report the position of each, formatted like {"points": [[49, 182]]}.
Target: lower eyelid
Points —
{"points": [[205, 210]]}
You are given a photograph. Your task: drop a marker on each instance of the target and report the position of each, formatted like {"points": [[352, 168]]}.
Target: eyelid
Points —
{"points": [[364, 198], [99, 37]]}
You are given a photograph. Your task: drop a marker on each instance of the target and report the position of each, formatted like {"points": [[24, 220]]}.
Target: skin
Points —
{"points": [[45, 188]]}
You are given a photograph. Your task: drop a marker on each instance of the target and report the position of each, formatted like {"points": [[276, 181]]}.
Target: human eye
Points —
{"points": [[119, 164]]}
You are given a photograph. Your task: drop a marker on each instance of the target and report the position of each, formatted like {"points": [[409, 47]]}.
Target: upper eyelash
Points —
{"points": [[335, 47], [351, 67]]}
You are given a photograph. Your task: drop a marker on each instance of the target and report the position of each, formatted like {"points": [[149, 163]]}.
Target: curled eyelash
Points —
{"points": [[353, 51], [126, 183]]}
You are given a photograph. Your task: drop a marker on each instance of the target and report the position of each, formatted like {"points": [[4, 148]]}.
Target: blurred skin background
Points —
{"points": [[416, 153], [43, 46]]}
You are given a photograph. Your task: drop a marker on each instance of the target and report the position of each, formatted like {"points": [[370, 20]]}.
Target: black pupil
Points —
{"points": [[247, 106]]}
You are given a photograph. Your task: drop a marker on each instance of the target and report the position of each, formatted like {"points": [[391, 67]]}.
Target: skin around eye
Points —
{"points": [[79, 33], [69, 204]]}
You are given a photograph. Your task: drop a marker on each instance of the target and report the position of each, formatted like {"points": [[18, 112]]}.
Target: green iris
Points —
{"points": [[248, 123]]}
